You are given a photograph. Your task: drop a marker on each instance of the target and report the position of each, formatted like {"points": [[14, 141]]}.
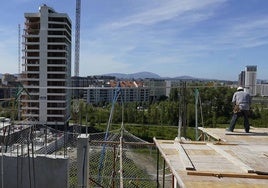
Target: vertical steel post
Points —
{"points": [[82, 160], [196, 114], [164, 173], [157, 169]]}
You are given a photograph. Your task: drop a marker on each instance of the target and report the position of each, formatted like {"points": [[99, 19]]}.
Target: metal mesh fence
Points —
{"points": [[25, 139], [138, 161], [133, 163]]}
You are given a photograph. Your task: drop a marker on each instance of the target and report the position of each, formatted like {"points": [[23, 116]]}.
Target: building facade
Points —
{"points": [[157, 88], [262, 90], [47, 67], [130, 91], [79, 83], [241, 79], [9, 86], [251, 80], [248, 80]]}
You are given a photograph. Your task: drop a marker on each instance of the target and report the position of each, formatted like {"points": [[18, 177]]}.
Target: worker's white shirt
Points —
{"points": [[242, 99]]}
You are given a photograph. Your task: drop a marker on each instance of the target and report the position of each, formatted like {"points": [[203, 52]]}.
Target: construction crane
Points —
{"points": [[77, 38], [19, 49], [77, 54]]}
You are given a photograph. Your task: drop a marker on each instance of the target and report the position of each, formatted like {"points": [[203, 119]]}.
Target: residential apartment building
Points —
{"points": [[157, 88], [131, 91], [8, 78], [251, 80], [241, 79], [248, 80], [79, 83], [9, 86], [47, 67], [262, 90]]}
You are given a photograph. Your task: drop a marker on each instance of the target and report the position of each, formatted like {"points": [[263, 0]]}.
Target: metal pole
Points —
{"points": [[46, 139], [56, 141], [21, 167], [65, 139], [179, 128], [180, 118], [83, 161], [86, 124], [183, 103], [114, 163], [121, 164], [29, 160], [157, 169], [164, 173], [173, 181], [2, 161], [33, 162], [196, 114]]}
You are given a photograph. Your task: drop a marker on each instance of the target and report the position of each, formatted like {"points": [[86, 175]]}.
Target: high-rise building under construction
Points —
{"points": [[46, 73]]}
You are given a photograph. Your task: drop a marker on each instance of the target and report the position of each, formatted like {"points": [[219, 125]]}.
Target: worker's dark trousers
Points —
{"points": [[243, 113]]}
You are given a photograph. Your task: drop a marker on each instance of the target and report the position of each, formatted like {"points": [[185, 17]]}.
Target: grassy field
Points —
{"points": [[148, 132]]}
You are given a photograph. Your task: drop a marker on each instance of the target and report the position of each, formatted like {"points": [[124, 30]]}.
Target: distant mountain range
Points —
{"points": [[138, 75], [144, 75]]}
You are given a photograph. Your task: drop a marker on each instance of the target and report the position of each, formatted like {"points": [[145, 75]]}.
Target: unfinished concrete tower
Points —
{"points": [[47, 67]]}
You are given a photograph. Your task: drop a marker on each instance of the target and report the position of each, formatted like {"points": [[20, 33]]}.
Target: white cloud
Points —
{"points": [[95, 63], [238, 34], [188, 11], [251, 33]]}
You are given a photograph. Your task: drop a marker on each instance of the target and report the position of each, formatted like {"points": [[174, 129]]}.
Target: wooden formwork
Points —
{"points": [[234, 159]]}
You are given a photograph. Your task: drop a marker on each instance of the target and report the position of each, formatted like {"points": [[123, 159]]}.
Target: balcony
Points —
{"points": [[29, 108], [56, 115]]}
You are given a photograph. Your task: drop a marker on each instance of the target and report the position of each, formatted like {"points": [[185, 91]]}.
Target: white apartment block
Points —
{"points": [[47, 67], [262, 90], [157, 88], [251, 80], [129, 92]]}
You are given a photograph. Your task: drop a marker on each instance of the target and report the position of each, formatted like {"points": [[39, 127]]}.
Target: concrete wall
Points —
{"points": [[43, 171]]}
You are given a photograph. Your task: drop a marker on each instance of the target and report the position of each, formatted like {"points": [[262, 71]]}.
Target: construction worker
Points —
{"points": [[241, 101]]}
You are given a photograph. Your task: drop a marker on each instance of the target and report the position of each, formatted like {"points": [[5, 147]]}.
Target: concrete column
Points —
{"points": [[82, 160]]}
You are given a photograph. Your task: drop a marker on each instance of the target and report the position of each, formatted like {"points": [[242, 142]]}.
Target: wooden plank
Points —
{"points": [[170, 164], [230, 175], [225, 143], [209, 133], [193, 142], [238, 133], [184, 157], [234, 160], [253, 158]]}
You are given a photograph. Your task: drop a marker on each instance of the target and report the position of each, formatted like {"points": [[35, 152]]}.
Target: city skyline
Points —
{"points": [[203, 39]]}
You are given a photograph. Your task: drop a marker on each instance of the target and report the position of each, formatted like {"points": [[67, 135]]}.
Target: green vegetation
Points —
{"points": [[160, 119], [110, 168]]}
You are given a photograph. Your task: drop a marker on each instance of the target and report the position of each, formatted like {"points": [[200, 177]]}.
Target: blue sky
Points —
{"points": [[199, 38]]}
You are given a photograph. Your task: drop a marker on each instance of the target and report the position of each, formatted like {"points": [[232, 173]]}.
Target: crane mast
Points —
{"points": [[77, 38], [19, 49]]}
